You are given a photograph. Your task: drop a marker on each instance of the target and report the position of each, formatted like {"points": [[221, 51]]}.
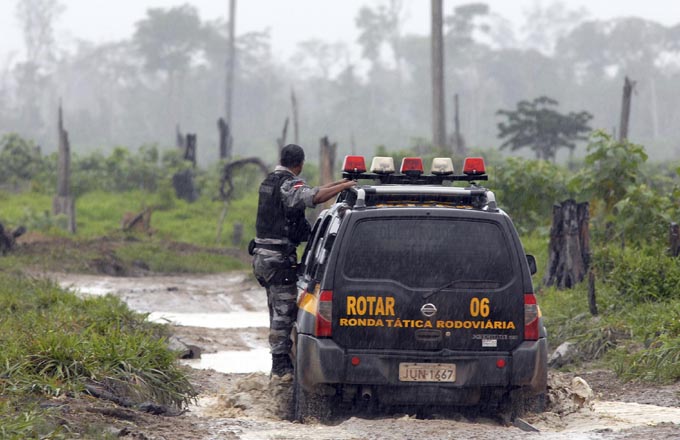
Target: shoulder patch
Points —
{"points": [[298, 184]]}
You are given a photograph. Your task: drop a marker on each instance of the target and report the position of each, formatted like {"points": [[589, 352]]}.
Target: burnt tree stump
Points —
{"points": [[8, 238], [569, 249]]}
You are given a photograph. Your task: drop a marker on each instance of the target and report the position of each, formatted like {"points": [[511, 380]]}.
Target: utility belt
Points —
{"points": [[285, 249]]}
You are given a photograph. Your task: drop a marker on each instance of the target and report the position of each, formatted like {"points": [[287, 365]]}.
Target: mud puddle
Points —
{"points": [[226, 315]]}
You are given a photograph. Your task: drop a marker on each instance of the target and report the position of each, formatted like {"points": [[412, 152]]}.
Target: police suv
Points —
{"points": [[416, 292]]}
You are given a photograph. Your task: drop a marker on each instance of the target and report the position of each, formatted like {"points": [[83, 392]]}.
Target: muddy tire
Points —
{"points": [[517, 403], [309, 406]]}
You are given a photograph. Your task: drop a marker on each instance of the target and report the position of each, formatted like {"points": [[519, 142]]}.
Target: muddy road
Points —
{"points": [[226, 317]]}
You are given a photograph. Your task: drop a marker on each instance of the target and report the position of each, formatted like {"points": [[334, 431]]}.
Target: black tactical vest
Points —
{"points": [[273, 219]]}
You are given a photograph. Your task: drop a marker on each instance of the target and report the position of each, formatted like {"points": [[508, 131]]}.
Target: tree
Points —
{"points": [[19, 159], [169, 40], [539, 126], [37, 18], [378, 27]]}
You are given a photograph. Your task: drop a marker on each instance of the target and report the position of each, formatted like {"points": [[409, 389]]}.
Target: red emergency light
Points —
{"points": [[354, 164], [474, 166], [412, 166]]}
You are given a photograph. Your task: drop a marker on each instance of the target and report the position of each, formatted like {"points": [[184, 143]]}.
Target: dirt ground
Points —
{"points": [[588, 404]]}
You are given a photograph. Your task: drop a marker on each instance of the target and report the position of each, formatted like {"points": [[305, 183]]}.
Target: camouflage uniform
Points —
{"points": [[275, 265]]}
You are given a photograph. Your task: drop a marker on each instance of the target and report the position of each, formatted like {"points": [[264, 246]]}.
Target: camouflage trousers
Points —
{"points": [[276, 272]]}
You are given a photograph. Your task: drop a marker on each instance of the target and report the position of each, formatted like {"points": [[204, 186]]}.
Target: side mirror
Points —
{"points": [[532, 264]]}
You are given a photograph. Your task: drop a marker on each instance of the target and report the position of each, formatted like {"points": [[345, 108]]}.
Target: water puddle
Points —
{"points": [[213, 320], [254, 360]]}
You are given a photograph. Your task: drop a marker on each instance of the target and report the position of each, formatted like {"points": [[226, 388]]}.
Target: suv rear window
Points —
{"points": [[429, 253]]}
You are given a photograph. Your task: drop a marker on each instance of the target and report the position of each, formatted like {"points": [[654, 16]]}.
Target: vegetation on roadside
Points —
{"points": [[58, 345], [631, 205]]}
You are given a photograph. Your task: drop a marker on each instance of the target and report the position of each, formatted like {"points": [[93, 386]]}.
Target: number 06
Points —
{"points": [[479, 307]]}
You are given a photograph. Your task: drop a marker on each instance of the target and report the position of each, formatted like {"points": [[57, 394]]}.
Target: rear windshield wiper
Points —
{"points": [[476, 283]]}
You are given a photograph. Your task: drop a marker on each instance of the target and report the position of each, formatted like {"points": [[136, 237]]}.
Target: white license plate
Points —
{"points": [[418, 372]]}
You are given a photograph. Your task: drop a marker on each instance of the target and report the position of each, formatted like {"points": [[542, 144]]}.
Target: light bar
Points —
{"points": [[442, 166], [382, 165], [412, 166], [474, 166], [354, 164]]}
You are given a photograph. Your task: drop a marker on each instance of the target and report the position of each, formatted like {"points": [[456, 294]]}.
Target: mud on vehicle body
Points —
{"points": [[416, 292]]}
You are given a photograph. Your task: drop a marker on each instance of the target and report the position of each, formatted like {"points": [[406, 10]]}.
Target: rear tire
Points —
{"points": [[309, 406], [517, 403]]}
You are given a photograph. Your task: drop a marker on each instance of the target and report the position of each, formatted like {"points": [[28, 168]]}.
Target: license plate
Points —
{"points": [[418, 372]]}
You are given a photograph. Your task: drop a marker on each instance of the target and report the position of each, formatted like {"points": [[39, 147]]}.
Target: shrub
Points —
{"points": [[638, 276]]}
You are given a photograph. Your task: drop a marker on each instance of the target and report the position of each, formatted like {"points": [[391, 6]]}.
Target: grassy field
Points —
{"points": [[57, 345]]}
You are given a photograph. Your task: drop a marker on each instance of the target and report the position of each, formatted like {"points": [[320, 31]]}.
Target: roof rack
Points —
{"points": [[473, 197]]}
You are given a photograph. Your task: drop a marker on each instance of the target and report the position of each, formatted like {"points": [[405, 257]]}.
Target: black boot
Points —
{"points": [[281, 365]]}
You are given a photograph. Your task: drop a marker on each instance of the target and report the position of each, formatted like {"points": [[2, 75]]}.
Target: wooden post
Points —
{"points": [[674, 240], [628, 86], [63, 202], [296, 126], [569, 249], [438, 95]]}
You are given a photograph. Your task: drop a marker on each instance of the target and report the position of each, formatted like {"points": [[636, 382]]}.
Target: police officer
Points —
{"points": [[281, 227]]}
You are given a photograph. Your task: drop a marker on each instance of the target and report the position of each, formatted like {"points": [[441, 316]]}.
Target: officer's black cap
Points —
{"points": [[292, 155]]}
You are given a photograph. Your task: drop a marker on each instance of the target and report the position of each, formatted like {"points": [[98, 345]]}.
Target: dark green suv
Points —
{"points": [[416, 292]]}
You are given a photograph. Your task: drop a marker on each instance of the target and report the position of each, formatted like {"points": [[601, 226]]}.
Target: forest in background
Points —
{"points": [[171, 72]]}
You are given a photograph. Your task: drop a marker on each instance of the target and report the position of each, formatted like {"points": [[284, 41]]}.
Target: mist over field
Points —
{"points": [[170, 73]]}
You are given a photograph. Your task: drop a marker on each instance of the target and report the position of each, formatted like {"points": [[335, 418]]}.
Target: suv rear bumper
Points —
{"points": [[325, 363]]}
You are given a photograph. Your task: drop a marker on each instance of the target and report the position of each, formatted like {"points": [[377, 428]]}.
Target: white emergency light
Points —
{"points": [[442, 166], [382, 165]]}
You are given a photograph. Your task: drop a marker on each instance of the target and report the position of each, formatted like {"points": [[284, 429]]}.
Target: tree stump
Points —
{"points": [[183, 182], [569, 248], [8, 238]]}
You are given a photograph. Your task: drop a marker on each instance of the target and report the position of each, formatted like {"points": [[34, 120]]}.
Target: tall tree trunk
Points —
{"points": [[458, 141], [438, 94], [231, 65], [63, 202], [628, 87]]}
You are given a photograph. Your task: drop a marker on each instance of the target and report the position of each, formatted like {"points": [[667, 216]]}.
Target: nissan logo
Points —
{"points": [[428, 309]]}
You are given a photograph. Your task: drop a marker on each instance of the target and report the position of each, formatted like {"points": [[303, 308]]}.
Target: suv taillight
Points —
{"points": [[531, 315], [324, 314]]}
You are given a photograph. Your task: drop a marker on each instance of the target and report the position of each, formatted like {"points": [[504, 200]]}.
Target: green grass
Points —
{"points": [[55, 343], [636, 340], [159, 258]]}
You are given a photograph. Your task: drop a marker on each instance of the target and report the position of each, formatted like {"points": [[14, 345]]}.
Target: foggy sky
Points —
{"points": [[290, 21]]}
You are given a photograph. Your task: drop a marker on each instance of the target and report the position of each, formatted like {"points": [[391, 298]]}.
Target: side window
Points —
{"points": [[316, 253], [326, 247], [306, 255]]}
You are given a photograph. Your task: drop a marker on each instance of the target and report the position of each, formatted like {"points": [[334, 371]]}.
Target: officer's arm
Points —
{"points": [[332, 184], [330, 190]]}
